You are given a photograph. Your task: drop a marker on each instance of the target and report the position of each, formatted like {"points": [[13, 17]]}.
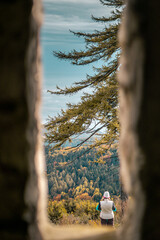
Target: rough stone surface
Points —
{"points": [[149, 124], [140, 118], [18, 125]]}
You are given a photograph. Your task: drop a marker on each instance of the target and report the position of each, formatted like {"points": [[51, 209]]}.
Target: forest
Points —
{"points": [[77, 180], [82, 174]]}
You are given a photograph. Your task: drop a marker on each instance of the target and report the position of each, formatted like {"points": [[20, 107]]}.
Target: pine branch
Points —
{"points": [[114, 17], [111, 3], [91, 81]]}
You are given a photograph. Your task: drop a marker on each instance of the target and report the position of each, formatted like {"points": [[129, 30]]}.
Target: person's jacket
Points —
{"points": [[106, 207]]}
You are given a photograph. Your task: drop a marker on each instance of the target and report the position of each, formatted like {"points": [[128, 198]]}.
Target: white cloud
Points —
{"points": [[65, 14], [61, 15], [58, 24], [71, 1], [66, 24]]}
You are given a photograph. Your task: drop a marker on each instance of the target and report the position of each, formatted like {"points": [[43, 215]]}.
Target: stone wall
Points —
{"points": [[139, 81], [19, 30], [20, 172]]}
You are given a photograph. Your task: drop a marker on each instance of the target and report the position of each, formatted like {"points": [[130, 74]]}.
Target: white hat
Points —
{"points": [[106, 194]]}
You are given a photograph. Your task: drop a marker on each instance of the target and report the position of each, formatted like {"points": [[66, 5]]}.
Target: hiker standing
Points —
{"points": [[106, 206]]}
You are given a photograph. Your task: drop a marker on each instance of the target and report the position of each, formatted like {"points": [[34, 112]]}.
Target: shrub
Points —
{"points": [[76, 211], [70, 205], [55, 211]]}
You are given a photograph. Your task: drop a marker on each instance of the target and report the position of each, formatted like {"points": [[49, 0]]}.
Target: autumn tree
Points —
{"points": [[96, 111]]}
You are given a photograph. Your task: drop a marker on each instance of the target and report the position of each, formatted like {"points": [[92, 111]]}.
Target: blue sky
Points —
{"points": [[59, 17]]}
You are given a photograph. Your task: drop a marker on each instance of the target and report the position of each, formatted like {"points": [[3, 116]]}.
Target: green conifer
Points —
{"points": [[96, 110]]}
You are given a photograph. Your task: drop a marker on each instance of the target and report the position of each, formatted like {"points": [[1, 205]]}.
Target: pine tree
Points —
{"points": [[98, 110]]}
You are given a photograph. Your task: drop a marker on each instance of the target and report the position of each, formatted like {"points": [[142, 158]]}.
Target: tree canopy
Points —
{"points": [[96, 111], [86, 176]]}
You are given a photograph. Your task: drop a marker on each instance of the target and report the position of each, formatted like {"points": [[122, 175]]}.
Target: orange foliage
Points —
{"points": [[57, 198], [84, 196]]}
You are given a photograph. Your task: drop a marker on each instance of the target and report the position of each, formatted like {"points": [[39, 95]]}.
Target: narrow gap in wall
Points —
{"points": [[78, 174]]}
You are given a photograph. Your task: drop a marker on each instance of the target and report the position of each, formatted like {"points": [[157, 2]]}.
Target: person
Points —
{"points": [[106, 208]]}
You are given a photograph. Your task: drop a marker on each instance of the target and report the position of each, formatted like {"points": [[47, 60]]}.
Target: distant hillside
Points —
{"points": [[85, 178], [74, 142]]}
